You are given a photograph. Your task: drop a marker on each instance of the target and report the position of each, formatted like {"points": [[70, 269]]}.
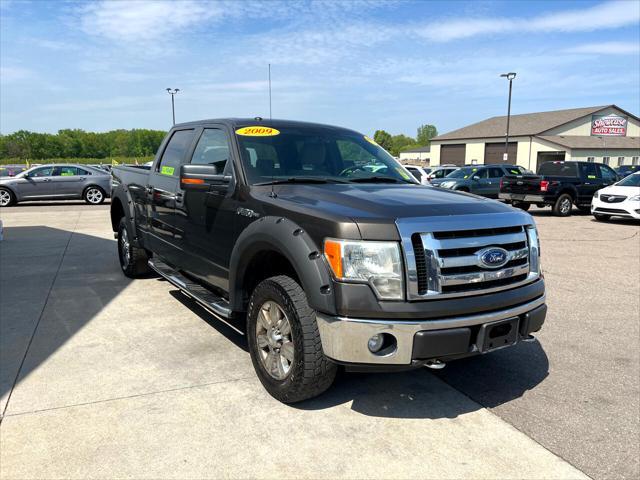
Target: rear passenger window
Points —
{"points": [[67, 171], [589, 170], [212, 149], [83, 172], [175, 152]]}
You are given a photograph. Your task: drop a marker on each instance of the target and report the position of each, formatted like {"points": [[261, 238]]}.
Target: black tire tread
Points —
{"points": [[138, 265], [318, 372]]}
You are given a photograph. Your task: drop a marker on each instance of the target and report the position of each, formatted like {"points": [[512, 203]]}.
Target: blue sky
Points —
{"points": [[362, 64]]}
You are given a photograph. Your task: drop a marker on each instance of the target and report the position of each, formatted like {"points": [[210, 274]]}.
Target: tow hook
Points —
{"points": [[435, 364]]}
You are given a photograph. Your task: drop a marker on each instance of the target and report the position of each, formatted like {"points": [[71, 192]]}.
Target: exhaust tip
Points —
{"points": [[529, 339], [435, 364]]}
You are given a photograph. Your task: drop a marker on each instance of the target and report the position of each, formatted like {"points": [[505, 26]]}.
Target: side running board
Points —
{"points": [[213, 303]]}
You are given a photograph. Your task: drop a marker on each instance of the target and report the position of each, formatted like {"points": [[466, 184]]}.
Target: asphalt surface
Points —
{"points": [[104, 377]]}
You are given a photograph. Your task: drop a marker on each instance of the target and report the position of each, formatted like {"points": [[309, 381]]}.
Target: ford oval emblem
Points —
{"points": [[493, 257]]}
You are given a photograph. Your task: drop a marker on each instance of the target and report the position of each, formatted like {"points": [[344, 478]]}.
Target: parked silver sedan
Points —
{"points": [[56, 182]]}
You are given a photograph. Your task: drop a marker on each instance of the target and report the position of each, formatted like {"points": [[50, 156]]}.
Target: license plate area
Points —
{"points": [[498, 334]]}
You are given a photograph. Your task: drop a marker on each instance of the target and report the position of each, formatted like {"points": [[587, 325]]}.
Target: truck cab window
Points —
{"points": [[212, 149], [173, 155]]}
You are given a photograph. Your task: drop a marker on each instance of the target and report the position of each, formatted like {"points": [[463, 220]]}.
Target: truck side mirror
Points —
{"points": [[201, 177]]}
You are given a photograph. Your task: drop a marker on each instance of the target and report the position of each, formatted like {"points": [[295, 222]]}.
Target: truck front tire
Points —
{"points": [[133, 260], [284, 342]]}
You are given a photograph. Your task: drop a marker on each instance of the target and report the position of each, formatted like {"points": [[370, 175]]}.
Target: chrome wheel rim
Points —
{"points": [[125, 253], [94, 195], [565, 206], [274, 340], [5, 198]]}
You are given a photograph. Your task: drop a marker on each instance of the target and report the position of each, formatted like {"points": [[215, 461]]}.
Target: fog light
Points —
{"points": [[375, 343]]}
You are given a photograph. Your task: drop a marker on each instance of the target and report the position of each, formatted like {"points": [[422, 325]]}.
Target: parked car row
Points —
{"points": [[561, 185], [56, 182]]}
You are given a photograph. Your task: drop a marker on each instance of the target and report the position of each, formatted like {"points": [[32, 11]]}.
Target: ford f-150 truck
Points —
{"points": [[558, 184], [317, 244]]}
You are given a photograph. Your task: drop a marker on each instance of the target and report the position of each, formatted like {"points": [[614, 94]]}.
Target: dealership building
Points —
{"points": [[604, 134]]}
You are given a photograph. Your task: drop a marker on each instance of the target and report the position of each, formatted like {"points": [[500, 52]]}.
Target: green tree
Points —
{"points": [[383, 139], [425, 134], [398, 142]]}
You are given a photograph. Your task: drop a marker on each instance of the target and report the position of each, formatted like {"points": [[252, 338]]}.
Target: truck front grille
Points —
{"points": [[448, 263]]}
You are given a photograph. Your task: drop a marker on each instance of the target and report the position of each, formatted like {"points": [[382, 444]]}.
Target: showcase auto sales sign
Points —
{"points": [[610, 125]]}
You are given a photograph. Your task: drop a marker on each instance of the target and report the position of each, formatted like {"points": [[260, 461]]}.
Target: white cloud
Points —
{"points": [[145, 20], [606, 48], [603, 16], [14, 74]]}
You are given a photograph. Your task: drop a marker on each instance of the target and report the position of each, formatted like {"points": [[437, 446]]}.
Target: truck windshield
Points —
{"points": [[295, 154]]}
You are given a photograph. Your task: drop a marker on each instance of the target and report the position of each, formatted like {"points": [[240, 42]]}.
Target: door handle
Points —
{"points": [[46, 179], [149, 189]]}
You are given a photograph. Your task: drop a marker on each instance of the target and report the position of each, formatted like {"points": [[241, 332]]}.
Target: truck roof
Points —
{"points": [[243, 122]]}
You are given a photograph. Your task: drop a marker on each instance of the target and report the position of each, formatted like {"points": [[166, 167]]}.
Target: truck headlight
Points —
{"points": [[377, 263]]}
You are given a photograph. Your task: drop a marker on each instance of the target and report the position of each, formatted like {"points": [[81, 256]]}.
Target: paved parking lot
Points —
{"points": [[103, 377]]}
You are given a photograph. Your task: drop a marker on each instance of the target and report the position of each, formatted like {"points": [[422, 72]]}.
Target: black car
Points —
{"points": [[320, 247]]}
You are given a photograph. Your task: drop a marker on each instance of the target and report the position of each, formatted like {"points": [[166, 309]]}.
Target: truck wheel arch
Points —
{"points": [[286, 239]]}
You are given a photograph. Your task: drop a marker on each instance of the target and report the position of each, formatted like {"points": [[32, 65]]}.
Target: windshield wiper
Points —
{"points": [[316, 180], [376, 180]]}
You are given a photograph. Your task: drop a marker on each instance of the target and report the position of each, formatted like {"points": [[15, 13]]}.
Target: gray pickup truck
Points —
{"points": [[320, 247]]}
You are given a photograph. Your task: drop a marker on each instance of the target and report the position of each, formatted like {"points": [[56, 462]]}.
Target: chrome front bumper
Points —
{"points": [[345, 339]]}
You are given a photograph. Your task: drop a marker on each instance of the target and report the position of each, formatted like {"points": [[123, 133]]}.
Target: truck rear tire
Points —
{"points": [[133, 260], [563, 205], [284, 342]]}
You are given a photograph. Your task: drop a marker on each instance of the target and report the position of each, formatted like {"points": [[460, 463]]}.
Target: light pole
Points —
{"points": [[173, 92], [509, 76]]}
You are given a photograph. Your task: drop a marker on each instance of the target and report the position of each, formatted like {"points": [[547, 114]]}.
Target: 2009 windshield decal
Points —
{"points": [[257, 131]]}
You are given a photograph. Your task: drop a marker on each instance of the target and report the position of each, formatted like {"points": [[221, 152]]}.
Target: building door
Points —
{"points": [[494, 153], [452, 154]]}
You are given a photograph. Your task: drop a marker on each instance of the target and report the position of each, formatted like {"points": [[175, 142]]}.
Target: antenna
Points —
{"points": [[270, 92]]}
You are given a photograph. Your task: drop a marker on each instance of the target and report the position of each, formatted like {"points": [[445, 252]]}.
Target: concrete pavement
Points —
{"points": [[131, 379]]}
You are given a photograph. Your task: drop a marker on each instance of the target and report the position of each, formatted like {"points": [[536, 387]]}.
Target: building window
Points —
{"points": [[634, 161], [591, 159], [605, 160], [620, 160]]}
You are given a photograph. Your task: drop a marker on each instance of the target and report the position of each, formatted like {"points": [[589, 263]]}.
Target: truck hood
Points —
{"points": [[374, 206]]}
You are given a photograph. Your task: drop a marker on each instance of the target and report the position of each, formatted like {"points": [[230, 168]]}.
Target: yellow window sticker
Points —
{"points": [[402, 173], [66, 174], [167, 170], [591, 176], [370, 140], [257, 131]]}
